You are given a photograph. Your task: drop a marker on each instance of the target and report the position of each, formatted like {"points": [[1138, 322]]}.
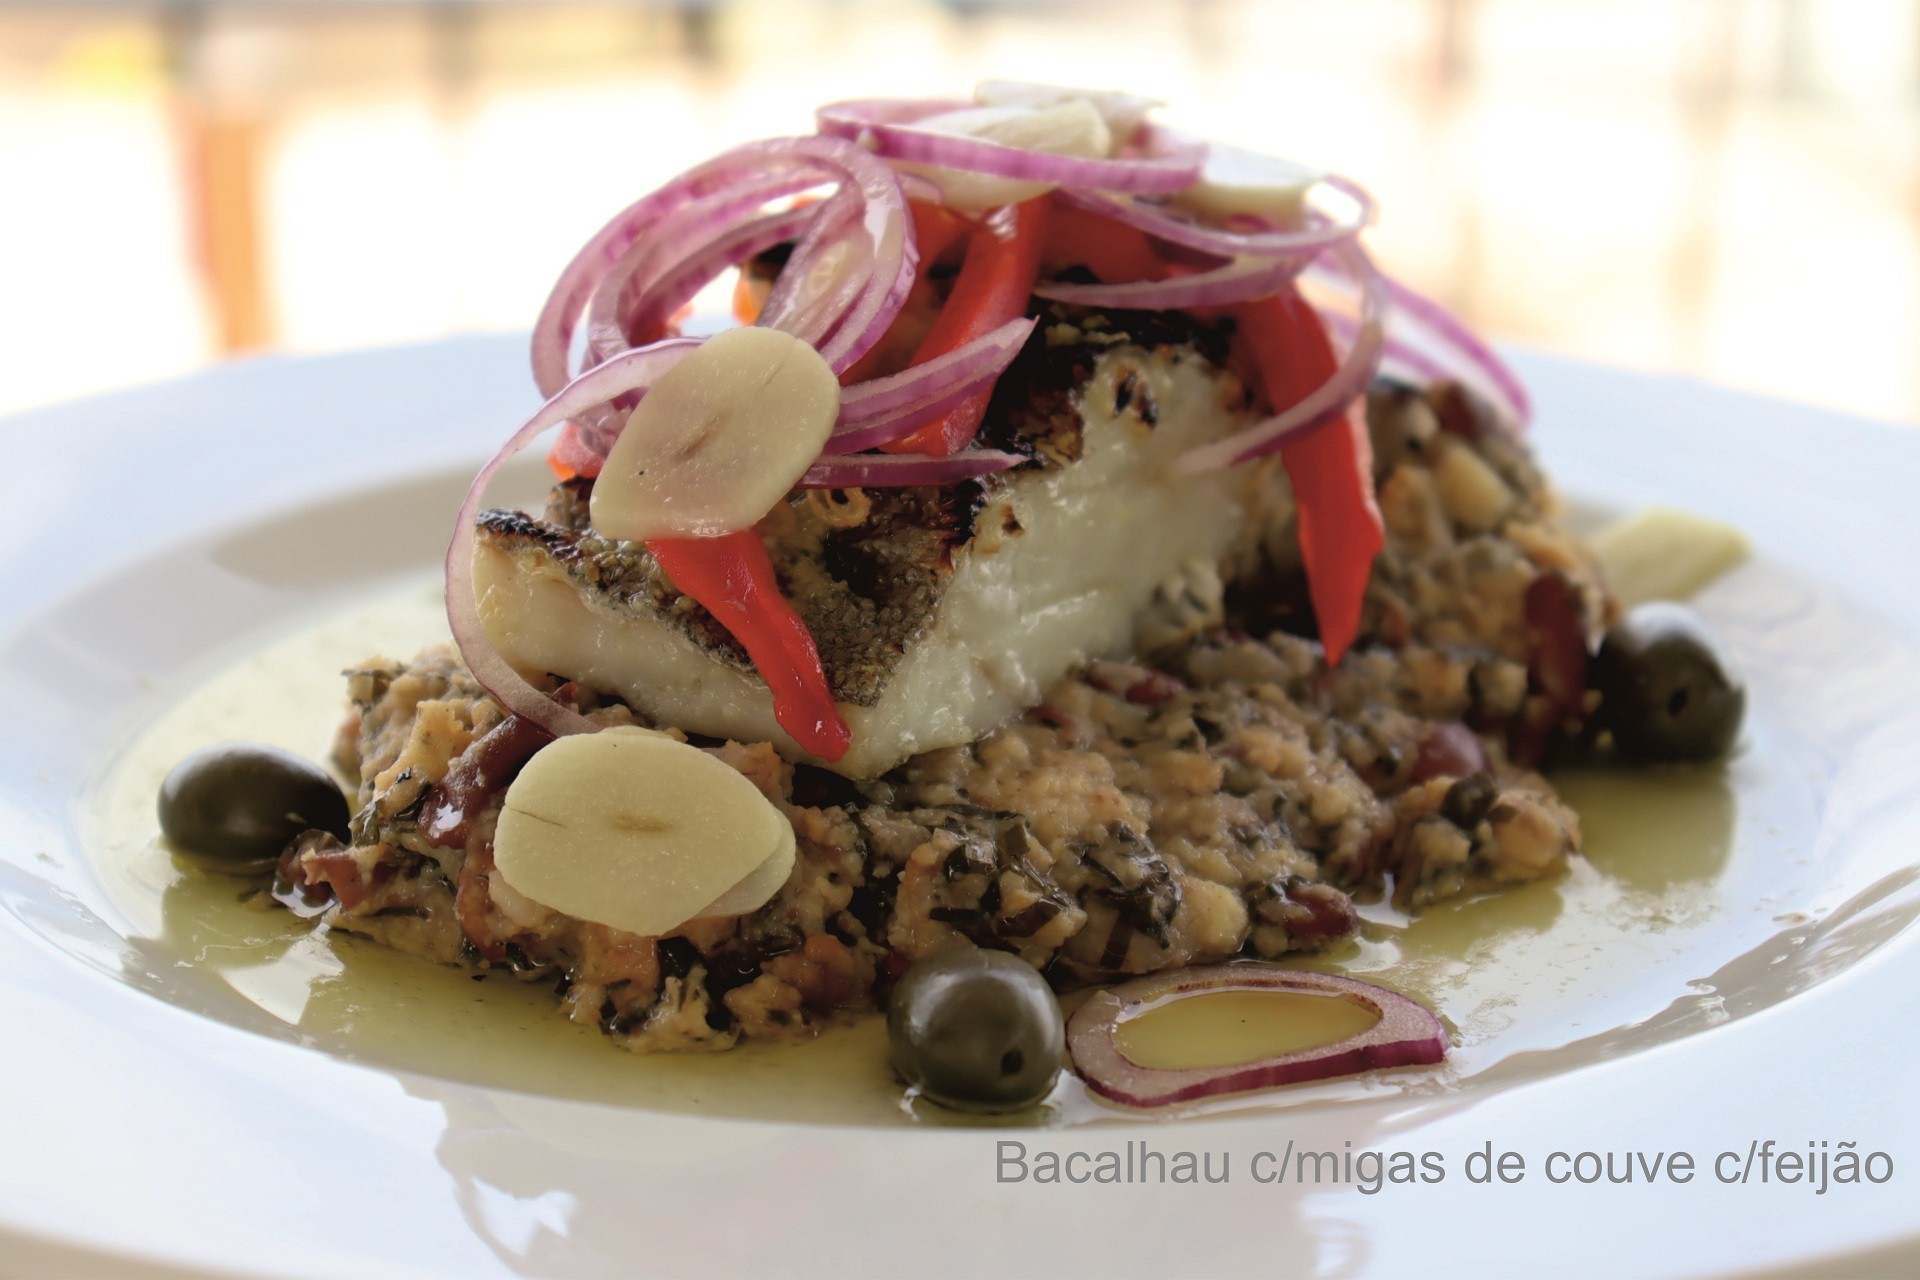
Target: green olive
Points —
{"points": [[976, 1029], [241, 802], [1667, 688]]}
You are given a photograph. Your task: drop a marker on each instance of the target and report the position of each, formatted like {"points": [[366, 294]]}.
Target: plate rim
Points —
{"points": [[477, 374]]}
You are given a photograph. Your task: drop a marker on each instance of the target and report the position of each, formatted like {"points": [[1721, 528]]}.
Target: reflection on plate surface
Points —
{"points": [[1689, 877], [487, 1145]]}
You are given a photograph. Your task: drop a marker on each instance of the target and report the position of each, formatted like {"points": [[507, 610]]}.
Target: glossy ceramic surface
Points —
{"points": [[1735, 966]]}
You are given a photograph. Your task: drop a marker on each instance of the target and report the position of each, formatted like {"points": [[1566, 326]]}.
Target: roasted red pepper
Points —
{"points": [[1286, 345], [996, 279], [570, 457], [732, 578], [1331, 468], [1115, 252], [941, 235]]}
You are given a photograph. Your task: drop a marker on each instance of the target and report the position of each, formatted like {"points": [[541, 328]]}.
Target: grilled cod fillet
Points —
{"points": [[939, 613]]}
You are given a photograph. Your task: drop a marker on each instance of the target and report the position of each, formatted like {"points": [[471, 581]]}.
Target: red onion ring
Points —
{"points": [[1420, 352], [1408, 1034], [1397, 357], [872, 434], [784, 164], [1164, 223], [628, 372], [1124, 112], [925, 190], [1327, 401], [1164, 162], [882, 410], [553, 330], [672, 255], [904, 470], [855, 117], [1462, 343], [880, 231], [582, 448], [1398, 360], [664, 269], [803, 301], [1241, 280]]}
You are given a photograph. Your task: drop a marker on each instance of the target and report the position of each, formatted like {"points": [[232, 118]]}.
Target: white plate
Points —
{"points": [[152, 1119]]}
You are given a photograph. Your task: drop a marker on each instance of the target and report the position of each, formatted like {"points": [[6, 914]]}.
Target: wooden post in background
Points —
{"points": [[220, 123]]}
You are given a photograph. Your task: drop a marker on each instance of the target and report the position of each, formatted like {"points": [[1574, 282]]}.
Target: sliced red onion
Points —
{"points": [[853, 119], [1241, 280], [1164, 162], [675, 255], [1411, 365], [877, 234], [904, 470], [1419, 352], [884, 230], [991, 352], [1454, 336], [925, 190], [553, 330], [1407, 1034], [822, 277], [872, 434], [763, 170], [1397, 357], [628, 372], [1123, 112], [1327, 401], [661, 273], [584, 444], [1174, 227], [882, 410]]}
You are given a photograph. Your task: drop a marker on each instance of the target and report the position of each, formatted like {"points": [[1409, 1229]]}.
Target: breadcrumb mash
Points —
{"points": [[1220, 794]]}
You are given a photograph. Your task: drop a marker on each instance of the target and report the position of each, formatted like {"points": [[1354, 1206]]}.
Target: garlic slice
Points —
{"points": [[757, 888], [1246, 182], [719, 439], [1071, 128], [639, 832], [1659, 553], [1123, 112]]}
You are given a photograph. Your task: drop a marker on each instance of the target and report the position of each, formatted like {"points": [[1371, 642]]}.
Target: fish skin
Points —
{"points": [[873, 589]]}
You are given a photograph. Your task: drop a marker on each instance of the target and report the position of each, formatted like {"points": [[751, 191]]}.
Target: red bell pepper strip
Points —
{"points": [[1331, 468], [732, 578], [941, 236], [749, 295], [996, 279], [1115, 252]]}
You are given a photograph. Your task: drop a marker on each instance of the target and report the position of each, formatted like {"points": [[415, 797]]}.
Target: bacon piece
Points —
{"points": [[1556, 663], [1312, 913], [487, 765], [1448, 749], [340, 871], [1154, 688]]}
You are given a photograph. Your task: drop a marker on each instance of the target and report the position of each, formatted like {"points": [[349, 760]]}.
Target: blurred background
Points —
{"points": [[1727, 188]]}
